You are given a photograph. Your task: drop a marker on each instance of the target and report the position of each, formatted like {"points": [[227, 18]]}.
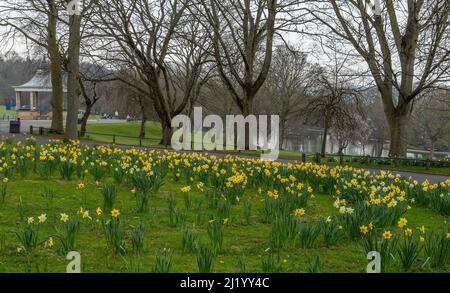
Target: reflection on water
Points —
{"points": [[311, 142]]}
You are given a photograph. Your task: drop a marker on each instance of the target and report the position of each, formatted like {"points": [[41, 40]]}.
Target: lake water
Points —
{"points": [[311, 142]]}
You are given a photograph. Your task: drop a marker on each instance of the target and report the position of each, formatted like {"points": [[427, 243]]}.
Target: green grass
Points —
{"points": [[3, 111], [92, 117], [104, 132], [239, 238]]}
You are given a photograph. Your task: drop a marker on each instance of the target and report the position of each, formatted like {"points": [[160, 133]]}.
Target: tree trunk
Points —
{"points": [[166, 133], [73, 85], [398, 123], [324, 139], [142, 129], [55, 69], [247, 110], [85, 118], [432, 149], [282, 133], [380, 147]]}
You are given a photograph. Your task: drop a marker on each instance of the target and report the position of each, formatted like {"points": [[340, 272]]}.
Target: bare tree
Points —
{"points": [[373, 108], [55, 26], [405, 45], [287, 85], [37, 22], [335, 98], [191, 63], [93, 81], [352, 129], [431, 118], [73, 75], [91, 97], [138, 35], [242, 34]]}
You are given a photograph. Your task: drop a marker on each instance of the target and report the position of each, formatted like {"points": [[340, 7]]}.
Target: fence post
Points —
{"points": [[396, 162], [428, 164], [31, 129], [114, 139], [41, 130], [318, 155], [140, 141], [303, 157]]}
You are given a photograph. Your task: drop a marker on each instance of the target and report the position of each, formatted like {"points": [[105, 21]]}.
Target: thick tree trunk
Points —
{"points": [[247, 110], [85, 118], [73, 85], [142, 129], [57, 101], [398, 123], [165, 116], [166, 134]]}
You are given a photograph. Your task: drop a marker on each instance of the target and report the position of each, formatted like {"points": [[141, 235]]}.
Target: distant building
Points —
{"points": [[33, 108]]}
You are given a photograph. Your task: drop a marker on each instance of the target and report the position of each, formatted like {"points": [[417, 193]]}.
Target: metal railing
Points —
{"points": [[109, 138], [377, 161], [8, 117]]}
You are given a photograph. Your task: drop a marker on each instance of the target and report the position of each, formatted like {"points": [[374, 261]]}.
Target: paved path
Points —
{"points": [[25, 124], [415, 176], [420, 177]]}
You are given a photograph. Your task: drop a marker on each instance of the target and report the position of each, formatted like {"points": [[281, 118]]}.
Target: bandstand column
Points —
{"points": [[31, 101], [18, 101]]}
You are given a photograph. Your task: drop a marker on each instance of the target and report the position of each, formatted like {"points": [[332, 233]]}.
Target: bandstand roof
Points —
{"points": [[40, 82]]}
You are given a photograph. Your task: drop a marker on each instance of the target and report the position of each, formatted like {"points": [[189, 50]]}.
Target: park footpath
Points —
{"points": [[420, 177]]}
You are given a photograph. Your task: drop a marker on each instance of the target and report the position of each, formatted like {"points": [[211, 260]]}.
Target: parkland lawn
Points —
{"points": [[240, 239]]}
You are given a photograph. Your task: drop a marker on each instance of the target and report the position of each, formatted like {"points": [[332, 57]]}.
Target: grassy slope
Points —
{"points": [[4, 111], [153, 135], [346, 256], [153, 132]]}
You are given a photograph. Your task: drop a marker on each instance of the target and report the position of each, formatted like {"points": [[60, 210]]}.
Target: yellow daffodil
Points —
{"points": [[387, 235], [408, 232], [186, 189], [363, 229], [299, 212], [115, 213], [402, 222], [64, 217], [98, 211], [49, 243], [42, 218]]}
